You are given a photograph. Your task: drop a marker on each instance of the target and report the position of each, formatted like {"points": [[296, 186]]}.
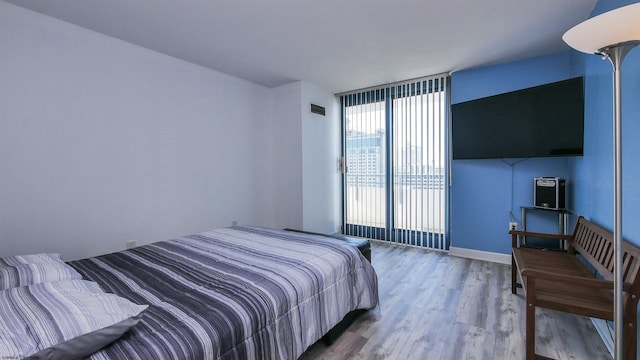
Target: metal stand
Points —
{"points": [[616, 54], [563, 222]]}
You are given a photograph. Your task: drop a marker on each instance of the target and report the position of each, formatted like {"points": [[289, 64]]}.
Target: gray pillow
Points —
{"points": [[67, 319]]}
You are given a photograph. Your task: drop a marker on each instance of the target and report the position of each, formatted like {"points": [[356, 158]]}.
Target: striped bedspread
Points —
{"points": [[233, 293]]}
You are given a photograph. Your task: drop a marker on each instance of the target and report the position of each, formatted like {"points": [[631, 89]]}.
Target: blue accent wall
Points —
{"points": [[484, 192], [492, 80], [594, 190]]}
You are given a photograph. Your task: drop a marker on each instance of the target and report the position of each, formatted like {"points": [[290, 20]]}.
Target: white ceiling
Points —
{"points": [[338, 45]]}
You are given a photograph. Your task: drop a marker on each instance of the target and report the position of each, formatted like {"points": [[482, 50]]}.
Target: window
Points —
{"points": [[394, 142]]}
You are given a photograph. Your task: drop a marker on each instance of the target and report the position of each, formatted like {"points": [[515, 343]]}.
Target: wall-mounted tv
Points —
{"points": [[541, 121]]}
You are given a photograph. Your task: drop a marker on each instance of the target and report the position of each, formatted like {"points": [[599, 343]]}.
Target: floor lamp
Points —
{"points": [[612, 35]]}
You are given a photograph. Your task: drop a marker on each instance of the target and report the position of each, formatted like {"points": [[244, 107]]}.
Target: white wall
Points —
{"points": [[307, 190], [321, 176], [102, 142], [286, 147]]}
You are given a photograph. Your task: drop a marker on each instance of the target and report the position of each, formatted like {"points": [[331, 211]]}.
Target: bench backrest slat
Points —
{"points": [[606, 257], [596, 245]]}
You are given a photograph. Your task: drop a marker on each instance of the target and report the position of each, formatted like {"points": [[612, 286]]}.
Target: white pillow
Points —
{"points": [[30, 259], [62, 319], [35, 273]]}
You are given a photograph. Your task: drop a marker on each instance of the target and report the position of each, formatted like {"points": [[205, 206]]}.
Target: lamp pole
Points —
{"points": [[616, 54], [612, 34]]}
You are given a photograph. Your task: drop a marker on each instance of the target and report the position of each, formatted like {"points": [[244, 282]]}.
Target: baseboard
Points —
{"points": [[605, 332], [480, 255]]}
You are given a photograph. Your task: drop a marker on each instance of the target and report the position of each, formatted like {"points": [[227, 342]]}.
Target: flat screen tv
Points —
{"points": [[542, 121]]}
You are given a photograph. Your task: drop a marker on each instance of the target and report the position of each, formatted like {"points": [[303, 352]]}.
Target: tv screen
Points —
{"points": [[546, 120]]}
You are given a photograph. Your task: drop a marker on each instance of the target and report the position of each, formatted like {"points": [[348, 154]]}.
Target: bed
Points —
{"points": [[233, 293]]}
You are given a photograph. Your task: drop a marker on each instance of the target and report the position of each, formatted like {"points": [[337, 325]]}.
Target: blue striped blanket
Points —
{"points": [[233, 293]]}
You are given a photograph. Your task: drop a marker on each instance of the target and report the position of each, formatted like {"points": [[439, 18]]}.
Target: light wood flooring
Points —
{"points": [[435, 306]]}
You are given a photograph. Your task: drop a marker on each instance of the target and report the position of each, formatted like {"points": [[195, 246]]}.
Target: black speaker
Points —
{"points": [[550, 193]]}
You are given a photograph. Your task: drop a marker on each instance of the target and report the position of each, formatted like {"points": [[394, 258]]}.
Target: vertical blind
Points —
{"points": [[395, 155]]}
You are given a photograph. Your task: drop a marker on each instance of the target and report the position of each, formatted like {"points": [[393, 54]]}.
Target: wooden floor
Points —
{"points": [[435, 306]]}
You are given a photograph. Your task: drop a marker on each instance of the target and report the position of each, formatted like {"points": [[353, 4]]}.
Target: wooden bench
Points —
{"points": [[560, 280]]}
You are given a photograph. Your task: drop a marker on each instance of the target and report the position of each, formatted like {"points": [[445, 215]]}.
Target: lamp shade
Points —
{"points": [[611, 28]]}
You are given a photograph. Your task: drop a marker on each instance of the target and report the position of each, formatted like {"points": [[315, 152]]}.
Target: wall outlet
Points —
{"points": [[513, 226], [131, 244]]}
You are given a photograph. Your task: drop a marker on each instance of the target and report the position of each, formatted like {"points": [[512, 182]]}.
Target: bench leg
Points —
{"points": [[630, 330], [530, 338], [514, 275], [530, 321]]}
